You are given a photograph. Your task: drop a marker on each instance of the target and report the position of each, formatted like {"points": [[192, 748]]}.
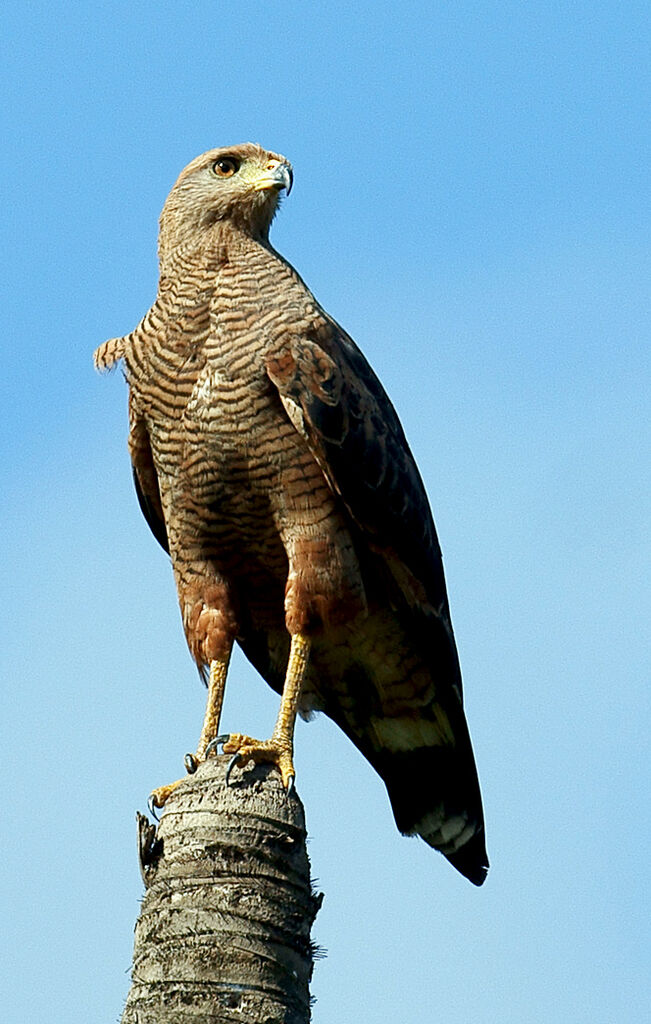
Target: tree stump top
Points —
{"points": [[224, 930]]}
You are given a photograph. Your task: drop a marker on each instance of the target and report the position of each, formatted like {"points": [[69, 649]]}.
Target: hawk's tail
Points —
{"points": [[434, 793], [471, 859]]}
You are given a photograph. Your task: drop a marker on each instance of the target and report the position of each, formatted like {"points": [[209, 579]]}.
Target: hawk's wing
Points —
{"points": [[145, 477], [337, 403]]}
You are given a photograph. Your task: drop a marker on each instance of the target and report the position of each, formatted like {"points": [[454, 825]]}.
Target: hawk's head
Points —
{"points": [[237, 183]]}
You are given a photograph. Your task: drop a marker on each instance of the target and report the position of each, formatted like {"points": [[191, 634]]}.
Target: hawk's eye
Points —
{"points": [[226, 167]]}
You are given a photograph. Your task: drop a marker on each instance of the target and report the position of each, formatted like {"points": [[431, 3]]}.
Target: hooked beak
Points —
{"points": [[278, 177]]}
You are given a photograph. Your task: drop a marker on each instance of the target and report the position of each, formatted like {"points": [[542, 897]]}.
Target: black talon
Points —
{"points": [[152, 808], [231, 764], [191, 763], [216, 742], [290, 785]]}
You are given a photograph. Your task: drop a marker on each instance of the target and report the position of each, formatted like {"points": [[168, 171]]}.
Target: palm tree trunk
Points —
{"points": [[224, 929]]}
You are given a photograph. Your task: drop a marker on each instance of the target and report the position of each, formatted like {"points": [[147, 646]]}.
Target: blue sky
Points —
{"points": [[471, 202]]}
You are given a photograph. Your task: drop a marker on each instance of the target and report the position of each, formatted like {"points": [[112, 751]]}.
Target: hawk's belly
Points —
{"points": [[247, 499]]}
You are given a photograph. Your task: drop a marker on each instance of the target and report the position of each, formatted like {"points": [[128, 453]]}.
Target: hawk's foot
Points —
{"points": [[272, 751], [158, 797]]}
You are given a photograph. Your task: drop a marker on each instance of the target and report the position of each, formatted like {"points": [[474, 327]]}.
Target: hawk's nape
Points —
{"points": [[270, 463]]}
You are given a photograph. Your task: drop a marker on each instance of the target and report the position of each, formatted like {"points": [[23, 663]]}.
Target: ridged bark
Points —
{"points": [[224, 930]]}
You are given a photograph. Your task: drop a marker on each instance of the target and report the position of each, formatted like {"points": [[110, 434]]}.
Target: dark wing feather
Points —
{"points": [[145, 478], [335, 399], [152, 511]]}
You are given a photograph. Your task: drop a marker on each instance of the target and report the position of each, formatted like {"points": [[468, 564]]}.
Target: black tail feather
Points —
{"points": [[472, 860]]}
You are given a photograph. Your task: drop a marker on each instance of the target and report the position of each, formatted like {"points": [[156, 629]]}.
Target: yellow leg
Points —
{"points": [[209, 731], [216, 686], [279, 750]]}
